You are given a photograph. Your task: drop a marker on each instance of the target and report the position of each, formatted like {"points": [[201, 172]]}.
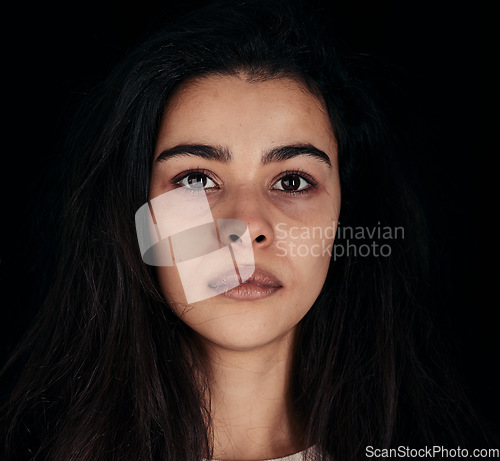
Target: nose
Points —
{"points": [[243, 210]]}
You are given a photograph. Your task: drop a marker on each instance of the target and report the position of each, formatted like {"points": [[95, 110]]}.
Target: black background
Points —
{"points": [[54, 52]]}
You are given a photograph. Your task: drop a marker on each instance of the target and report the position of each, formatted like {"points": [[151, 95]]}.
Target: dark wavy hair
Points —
{"points": [[108, 367]]}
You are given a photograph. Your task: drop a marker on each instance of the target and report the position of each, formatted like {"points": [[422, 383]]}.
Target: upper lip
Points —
{"points": [[265, 278], [259, 277]]}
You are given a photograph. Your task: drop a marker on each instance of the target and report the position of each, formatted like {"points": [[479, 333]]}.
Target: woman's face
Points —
{"points": [[262, 153]]}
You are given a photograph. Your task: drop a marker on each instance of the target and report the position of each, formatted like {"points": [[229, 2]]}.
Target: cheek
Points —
{"points": [[171, 286], [309, 245], [307, 250]]}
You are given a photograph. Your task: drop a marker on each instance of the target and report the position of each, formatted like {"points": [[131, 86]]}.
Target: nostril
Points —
{"points": [[234, 237], [260, 238]]}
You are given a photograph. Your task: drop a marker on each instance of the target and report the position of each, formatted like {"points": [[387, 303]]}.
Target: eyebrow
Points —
{"points": [[221, 154]]}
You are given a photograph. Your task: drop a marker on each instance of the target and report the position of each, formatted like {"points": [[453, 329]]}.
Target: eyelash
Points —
{"points": [[200, 171], [176, 181], [301, 174]]}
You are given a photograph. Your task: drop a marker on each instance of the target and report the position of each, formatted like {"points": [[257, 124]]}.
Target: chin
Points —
{"points": [[244, 335]]}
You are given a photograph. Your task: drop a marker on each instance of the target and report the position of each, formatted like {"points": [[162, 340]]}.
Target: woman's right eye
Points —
{"points": [[196, 180]]}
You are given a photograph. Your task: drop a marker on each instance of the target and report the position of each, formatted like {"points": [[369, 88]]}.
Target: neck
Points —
{"points": [[252, 416]]}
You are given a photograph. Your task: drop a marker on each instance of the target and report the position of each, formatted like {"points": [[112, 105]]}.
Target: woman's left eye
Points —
{"points": [[292, 183]]}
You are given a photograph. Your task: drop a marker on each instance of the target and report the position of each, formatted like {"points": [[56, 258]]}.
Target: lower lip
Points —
{"points": [[250, 291]]}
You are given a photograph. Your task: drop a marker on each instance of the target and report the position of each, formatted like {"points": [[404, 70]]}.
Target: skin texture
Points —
{"points": [[249, 342]]}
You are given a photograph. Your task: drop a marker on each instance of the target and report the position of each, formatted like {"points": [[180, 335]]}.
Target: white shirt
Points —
{"points": [[311, 455]]}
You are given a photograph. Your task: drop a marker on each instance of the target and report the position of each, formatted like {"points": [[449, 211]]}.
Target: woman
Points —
{"points": [[308, 344]]}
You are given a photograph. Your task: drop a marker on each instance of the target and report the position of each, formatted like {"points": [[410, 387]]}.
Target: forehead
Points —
{"points": [[240, 111], [215, 87]]}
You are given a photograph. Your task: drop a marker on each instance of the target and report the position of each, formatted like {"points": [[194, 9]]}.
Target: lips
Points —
{"points": [[259, 285]]}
